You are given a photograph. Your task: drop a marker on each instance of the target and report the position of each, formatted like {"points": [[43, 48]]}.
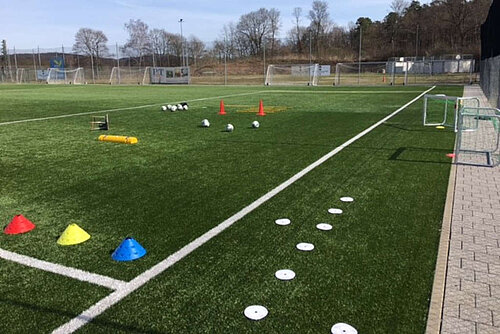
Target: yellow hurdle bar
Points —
{"points": [[118, 139]]}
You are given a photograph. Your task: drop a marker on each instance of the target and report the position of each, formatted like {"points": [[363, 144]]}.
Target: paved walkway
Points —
{"points": [[472, 289]]}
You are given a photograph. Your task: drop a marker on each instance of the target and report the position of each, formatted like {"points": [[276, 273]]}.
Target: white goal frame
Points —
{"points": [[292, 74], [458, 103], [129, 76], [65, 76]]}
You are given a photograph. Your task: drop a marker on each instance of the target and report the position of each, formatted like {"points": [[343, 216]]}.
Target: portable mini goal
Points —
{"points": [[443, 110], [99, 123], [478, 137]]}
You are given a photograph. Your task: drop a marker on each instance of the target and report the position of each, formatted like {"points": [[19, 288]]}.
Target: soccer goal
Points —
{"points": [[66, 76], [443, 110], [294, 74], [364, 73], [129, 76], [478, 137]]}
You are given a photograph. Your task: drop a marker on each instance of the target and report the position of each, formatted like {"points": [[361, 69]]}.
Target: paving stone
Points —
{"points": [[489, 303], [479, 315], [486, 329], [453, 325], [476, 288]]}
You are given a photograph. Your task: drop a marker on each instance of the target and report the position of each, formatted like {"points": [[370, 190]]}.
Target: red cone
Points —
{"points": [[221, 110], [450, 155], [19, 224], [261, 109]]}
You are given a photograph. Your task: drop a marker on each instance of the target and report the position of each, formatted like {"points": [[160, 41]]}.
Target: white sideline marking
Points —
{"points": [[105, 303], [343, 91], [126, 108], [55, 268]]}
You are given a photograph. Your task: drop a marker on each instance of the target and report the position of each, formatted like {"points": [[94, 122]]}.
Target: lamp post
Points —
{"points": [[182, 42]]}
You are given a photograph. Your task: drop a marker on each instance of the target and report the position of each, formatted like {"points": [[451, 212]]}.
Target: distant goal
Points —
{"points": [[66, 76], [292, 74]]}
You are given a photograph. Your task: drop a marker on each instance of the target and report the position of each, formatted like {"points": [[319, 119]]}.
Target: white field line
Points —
{"points": [[126, 108], [343, 92], [78, 274], [105, 303]]}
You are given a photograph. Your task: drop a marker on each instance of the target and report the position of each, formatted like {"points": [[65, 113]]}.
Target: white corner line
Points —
{"points": [[95, 310], [124, 109], [55, 268]]}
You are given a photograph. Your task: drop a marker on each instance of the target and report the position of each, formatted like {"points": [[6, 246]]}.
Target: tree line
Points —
{"points": [[409, 29]]}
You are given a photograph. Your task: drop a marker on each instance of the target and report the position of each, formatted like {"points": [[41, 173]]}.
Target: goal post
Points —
{"points": [[478, 137], [128, 75], [66, 76], [292, 74], [364, 73], [443, 110]]}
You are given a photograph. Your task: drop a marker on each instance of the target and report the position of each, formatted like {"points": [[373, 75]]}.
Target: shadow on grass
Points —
{"points": [[112, 326], [412, 150]]}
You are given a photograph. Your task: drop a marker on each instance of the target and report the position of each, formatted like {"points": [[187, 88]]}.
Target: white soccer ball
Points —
{"points": [[205, 123], [255, 124], [164, 108], [229, 128], [179, 106], [185, 107], [174, 108], [169, 107]]}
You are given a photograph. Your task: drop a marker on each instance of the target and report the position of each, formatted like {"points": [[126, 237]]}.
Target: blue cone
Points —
{"points": [[128, 250]]}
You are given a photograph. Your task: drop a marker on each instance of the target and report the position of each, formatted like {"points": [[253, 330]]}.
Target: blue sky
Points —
{"points": [[27, 24]]}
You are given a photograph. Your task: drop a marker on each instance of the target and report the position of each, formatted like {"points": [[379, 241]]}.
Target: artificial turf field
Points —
{"points": [[374, 270]]}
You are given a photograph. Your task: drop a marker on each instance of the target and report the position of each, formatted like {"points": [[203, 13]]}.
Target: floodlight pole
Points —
{"points": [[264, 59], [182, 42], [416, 44], [225, 61], [359, 56]]}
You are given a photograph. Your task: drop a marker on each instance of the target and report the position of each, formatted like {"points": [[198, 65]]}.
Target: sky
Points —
{"points": [[27, 24]]}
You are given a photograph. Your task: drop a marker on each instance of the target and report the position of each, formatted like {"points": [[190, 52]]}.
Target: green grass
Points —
{"points": [[373, 270]]}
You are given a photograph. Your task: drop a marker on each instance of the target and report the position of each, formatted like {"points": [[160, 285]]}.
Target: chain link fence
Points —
{"points": [[215, 66]]}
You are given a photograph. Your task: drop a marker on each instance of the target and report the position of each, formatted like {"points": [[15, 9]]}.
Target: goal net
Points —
{"points": [[478, 137], [65, 76], [364, 73], [129, 76], [443, 110], [294, 74]]}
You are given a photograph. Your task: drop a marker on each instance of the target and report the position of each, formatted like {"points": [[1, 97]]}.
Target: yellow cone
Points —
{"points": [[72, 235]]}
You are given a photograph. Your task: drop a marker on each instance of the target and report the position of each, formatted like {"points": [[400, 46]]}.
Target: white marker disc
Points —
{"points": [[282, 221], [256, 312], [285, 274], [324, 227], [334, 211], [304, 246], [342, 328], [347, 199]]}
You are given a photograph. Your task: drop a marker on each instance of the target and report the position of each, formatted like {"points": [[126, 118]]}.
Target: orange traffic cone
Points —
{"points": [[221, 110], [261, 109]]}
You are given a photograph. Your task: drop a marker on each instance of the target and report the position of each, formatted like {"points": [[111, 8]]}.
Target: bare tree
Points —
{"points": [[196, 48], [297, 13], [399, 6], [160, 44], [320, 21], [252, 28], [92, 43], [139, 42], [275, 24]]}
